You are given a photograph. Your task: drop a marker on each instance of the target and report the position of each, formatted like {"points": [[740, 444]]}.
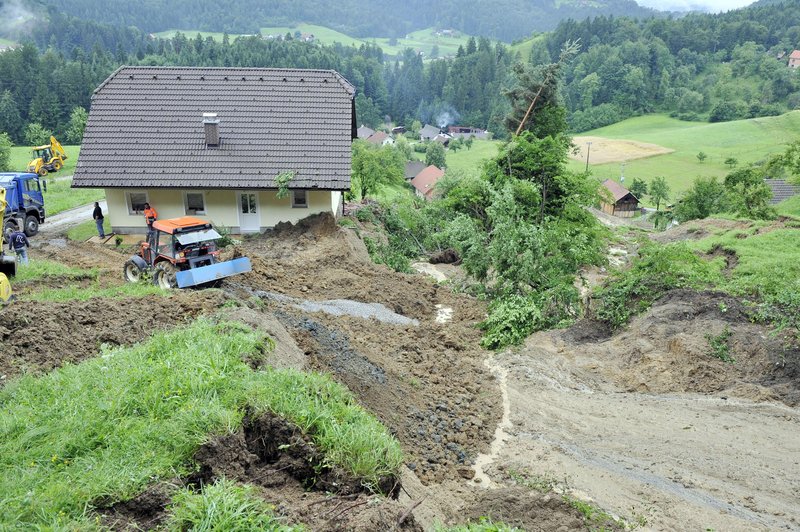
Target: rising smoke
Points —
{"points": [[13, 17]]}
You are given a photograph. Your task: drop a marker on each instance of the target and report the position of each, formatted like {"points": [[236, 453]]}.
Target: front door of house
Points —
{"points": [[249, 217]]}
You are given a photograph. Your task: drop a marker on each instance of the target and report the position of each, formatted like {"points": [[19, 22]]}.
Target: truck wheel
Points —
{"points": [[164, 276], [131, 272], [9, 227], [31, 225]]}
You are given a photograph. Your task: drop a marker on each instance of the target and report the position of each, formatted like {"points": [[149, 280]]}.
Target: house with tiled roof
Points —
{"points": [[210, 142], [794, 59], [617, 200], [781, 190], [426, 180], [429, 132], [380, 138]]}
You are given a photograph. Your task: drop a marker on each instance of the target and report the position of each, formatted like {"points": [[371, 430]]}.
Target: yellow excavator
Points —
{"points": [[47, 158], [8, 263]]}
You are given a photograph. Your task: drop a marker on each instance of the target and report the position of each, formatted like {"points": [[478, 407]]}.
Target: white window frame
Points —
{"points": [[299, 205], [202, 194], [130, 204]]}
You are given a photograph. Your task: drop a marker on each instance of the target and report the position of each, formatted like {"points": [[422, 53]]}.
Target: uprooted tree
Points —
{"points": [[520, 228]]}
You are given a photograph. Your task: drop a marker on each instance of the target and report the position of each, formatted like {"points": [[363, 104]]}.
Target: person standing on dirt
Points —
{"points": [[18, 242], [98, 219], [150, 216]]}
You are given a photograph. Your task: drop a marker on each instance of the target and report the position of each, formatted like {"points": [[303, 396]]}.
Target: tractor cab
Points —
{"points": [[42, 152], [182, 252]]}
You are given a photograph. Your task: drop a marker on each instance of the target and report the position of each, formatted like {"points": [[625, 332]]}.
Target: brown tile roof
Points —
{"points": [[781, 190], [617, 191], [426, 179], [145, 129], [795, 54]]}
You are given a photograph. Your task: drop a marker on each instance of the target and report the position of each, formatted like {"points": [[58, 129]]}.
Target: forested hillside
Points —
{"points": [[700, 67], [708, 67], [501, 19]]}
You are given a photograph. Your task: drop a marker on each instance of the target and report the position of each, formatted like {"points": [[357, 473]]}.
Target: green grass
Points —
{"points": [[423, 40], [484, 524], [767, 273], [470, 161], [85, 230], [223, 506], [21, 156], [60, 197], [7, 42], [38, 269], [84, 293], [789, 207], [524, 47], [110, 426], [748, 141]]}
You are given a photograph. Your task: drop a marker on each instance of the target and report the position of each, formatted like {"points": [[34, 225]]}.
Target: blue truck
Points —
{"points": [[25, 209]]}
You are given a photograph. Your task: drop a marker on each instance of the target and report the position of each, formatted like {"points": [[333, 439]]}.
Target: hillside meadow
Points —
{"points": [[423, 40]]}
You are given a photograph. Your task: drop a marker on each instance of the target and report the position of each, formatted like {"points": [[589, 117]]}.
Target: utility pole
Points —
{"points": [[588, 150]]}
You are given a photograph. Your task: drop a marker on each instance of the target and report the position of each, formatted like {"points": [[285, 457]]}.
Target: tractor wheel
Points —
{"points": [[164, 276], [131, 272], [57, 166], [31, 225], [42, 171]]}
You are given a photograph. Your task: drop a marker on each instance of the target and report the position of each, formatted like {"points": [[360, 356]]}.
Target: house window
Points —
{"points": [[194, 202], [300, 199], [136, 201]]}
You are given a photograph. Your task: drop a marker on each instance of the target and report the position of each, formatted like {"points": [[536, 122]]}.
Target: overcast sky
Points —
{"points": [[707, 5]]}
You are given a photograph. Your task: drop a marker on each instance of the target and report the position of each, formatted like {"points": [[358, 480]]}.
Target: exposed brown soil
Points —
{"points": [[644, 416], [37, 337], [668, 349]]}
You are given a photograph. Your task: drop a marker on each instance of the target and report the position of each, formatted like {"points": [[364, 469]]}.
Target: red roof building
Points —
{"points": [[794, 59], [426, 180]]}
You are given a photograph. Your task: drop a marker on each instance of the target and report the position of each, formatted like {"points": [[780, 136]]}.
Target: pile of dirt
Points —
{"points": [[427, 383], [40, 337], [146, 511], [668, 349], [274, 455]]}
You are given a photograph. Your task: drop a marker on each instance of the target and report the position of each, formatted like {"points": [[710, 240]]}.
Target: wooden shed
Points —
{"points": [[625, 204]]}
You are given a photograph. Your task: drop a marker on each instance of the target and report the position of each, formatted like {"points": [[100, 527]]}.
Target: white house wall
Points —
{"points": [[222, 208]]}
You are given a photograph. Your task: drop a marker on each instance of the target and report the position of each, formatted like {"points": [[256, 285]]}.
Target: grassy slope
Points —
{"points": [[108, 427], [470, 161], [790, 207], [746, 140], [419, 40]]}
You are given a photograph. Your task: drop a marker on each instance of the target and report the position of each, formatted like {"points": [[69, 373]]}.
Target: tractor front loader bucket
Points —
{"points": [[212, 272]]}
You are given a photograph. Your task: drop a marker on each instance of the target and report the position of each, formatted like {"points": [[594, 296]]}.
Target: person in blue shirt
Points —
{"points": [[18, 242]]}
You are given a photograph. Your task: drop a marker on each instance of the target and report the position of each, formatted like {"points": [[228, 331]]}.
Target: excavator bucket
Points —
{"points": [[212, 272], [8, 265]]}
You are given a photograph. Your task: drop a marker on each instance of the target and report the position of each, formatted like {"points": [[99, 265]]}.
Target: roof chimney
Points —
{"points": [[211, 126]]}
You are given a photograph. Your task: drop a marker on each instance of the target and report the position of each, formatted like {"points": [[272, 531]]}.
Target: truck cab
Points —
{"points": [[24, 194]]}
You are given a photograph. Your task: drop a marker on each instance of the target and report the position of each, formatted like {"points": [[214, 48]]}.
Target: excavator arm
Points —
{"points": [[56, 147]]}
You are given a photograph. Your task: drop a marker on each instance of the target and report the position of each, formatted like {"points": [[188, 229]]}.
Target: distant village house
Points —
{"points": [[425, 181], [466, 132], [794, 59], [429, 132], [210, 142], [618, 200]]}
